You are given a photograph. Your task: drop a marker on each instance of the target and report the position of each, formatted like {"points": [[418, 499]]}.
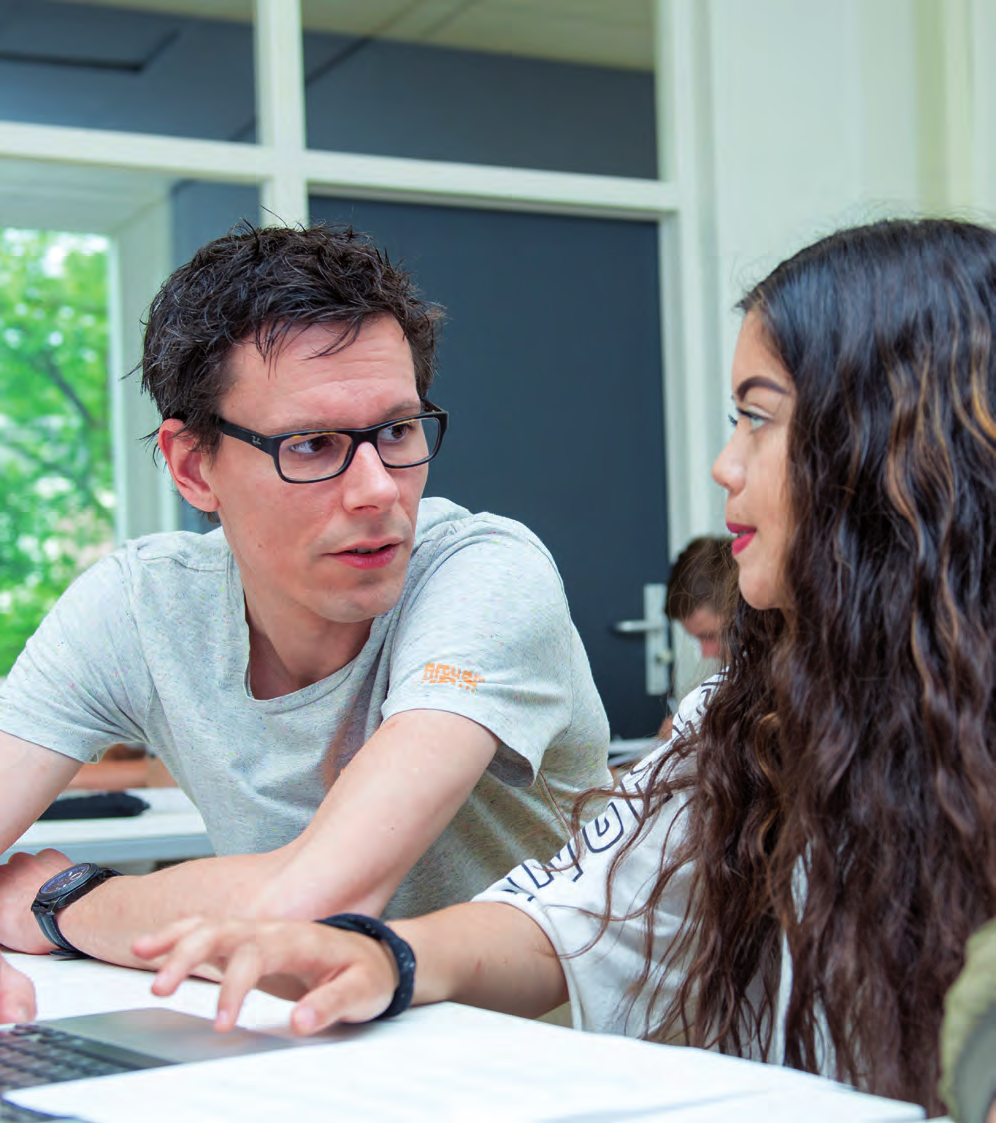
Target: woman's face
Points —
{"points": [[752, 467]]}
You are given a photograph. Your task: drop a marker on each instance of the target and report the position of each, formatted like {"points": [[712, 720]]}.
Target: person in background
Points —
{"points": [[700, 591], [968, 1036], [794, 877]]}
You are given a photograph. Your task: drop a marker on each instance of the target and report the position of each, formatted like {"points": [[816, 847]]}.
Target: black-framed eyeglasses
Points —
{"points": [[321, 454]]}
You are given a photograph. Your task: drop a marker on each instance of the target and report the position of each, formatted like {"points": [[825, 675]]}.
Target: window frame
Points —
{"points": [[287, 172]]}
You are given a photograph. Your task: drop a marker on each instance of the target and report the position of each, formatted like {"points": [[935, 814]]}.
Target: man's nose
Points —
{"points": [[367, 482]]}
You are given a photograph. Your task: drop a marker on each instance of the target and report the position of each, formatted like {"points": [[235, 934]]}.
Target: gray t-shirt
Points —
{"points": [[151, 644]]}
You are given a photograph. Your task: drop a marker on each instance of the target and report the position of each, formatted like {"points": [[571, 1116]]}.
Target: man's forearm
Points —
{"points": [[107, 920], [384, 810]]}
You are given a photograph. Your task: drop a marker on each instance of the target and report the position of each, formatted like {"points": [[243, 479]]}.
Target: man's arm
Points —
{"points": [[30, 778], [481, 953], [387, 806]]}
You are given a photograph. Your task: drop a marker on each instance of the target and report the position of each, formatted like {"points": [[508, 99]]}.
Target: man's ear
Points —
{"points": [[186, 465]]}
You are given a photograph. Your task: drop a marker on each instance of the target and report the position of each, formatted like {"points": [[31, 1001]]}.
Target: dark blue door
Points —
{"points": [[550, 367]]}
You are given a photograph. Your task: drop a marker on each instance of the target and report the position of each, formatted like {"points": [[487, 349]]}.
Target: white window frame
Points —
{"points": [[286, 172]]}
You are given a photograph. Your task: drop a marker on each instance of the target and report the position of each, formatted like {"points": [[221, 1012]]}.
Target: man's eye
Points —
{"points": [[316, 445], [398, 432]]}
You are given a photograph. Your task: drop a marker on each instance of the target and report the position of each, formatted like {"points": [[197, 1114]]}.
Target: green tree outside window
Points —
{"points": [[56, 488]]}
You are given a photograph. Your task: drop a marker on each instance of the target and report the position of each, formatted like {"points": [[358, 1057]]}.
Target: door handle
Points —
{"points": [[656, 635]]}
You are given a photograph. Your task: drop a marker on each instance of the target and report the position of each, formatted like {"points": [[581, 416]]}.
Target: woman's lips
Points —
{"points": [[743, 536]]}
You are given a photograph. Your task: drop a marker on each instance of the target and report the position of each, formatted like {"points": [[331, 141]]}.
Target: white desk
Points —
{"points": [[440, 1063], [172, 829]]}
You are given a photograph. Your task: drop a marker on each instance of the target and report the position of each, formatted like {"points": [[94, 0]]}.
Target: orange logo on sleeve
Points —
{"points": [[443, 673]]}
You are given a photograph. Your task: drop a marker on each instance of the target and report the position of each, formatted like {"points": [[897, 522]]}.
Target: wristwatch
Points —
{"points": [[62, 890]]}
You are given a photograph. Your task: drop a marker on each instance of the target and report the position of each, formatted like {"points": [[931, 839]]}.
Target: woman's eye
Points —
{"points": [[755, 420]]}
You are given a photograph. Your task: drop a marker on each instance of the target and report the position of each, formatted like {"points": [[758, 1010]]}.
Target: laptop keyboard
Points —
{"points": [[36, 1054]]}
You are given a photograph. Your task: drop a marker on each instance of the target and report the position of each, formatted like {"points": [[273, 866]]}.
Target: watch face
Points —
{"points": [[67, 880]]}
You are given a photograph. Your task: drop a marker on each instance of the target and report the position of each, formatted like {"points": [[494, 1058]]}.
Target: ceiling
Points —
{"points": [[615, 33]]}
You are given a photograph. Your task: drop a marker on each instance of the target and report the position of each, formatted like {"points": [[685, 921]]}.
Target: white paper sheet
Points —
{"points": [[85, 986], [451, 1063]]}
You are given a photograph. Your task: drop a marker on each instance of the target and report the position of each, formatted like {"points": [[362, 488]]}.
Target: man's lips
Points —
{"points": [[744, 535], [368, 555]]}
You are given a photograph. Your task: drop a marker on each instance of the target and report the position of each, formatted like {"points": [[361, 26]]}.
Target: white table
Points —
{"points": [[439, 1063], [172, 829]]}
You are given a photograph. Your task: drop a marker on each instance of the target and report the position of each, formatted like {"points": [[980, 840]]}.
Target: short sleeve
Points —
{"points": [[81, 682], [486, 633], [568, 897]]}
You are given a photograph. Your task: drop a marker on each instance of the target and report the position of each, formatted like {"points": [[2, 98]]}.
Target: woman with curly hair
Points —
{"points": [[793, 876]]}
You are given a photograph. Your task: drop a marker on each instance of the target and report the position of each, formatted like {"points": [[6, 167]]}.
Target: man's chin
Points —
{"points": [[365, 603]]}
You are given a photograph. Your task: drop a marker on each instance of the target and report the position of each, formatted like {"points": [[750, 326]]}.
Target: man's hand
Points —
{"points": [[20, 879], [336, 976]]}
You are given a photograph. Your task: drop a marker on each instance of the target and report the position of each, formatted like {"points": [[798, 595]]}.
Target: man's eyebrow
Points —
{"points": [[757, 382], [392, 413]]}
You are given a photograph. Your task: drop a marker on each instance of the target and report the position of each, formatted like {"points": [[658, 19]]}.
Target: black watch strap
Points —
{"points": [[404, 957], [46, 916], [50, 930]]}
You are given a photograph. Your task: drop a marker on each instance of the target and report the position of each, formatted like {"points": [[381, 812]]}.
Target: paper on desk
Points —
{"points": [[446, 1063], [829, 1104], [87, 986]]}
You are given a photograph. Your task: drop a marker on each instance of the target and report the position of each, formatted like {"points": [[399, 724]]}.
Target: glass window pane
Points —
{"points": [[566, 85], [55, 464], [105, 66], [202, 212]]}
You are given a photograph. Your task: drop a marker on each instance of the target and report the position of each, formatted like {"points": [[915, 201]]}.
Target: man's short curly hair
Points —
{"points": [[261, 285]]}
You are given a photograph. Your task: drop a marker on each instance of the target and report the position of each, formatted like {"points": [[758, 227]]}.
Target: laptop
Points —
{"points": [[91, 1045]]}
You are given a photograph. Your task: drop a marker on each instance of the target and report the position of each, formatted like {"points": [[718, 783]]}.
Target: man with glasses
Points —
{"points": [[377, 702]]}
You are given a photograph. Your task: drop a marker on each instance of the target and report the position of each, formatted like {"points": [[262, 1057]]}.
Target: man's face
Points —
{"points": [[706, 626], [333, 551]]}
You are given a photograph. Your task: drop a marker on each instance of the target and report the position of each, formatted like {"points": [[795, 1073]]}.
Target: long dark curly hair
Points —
{"points": [[841, 784]]}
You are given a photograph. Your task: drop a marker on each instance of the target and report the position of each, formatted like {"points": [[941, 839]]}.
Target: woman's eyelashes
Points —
{"points": [[754, 420]]}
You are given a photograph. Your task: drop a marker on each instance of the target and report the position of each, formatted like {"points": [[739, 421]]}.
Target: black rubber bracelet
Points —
{"points": [[404, 957]]}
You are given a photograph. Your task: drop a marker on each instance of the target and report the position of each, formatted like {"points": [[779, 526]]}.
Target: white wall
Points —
{"points": [[810, 131], [824, 114]]}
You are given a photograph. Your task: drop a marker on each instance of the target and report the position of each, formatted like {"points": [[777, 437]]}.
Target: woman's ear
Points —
{"points": [[186, 465]]}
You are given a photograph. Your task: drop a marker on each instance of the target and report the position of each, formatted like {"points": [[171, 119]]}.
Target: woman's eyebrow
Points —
{"points": [[757, 382]]}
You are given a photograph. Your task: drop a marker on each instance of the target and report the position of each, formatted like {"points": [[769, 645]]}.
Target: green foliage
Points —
{"points": [[57, 508]]}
